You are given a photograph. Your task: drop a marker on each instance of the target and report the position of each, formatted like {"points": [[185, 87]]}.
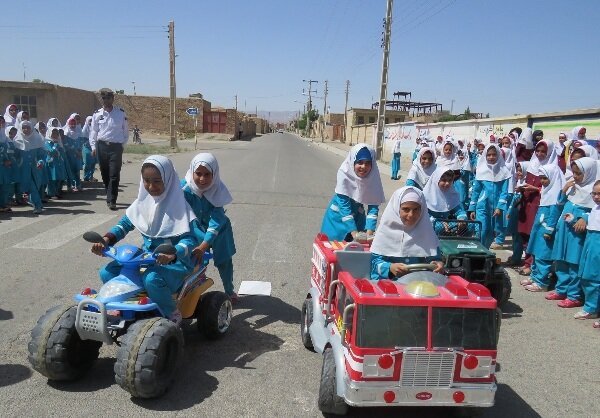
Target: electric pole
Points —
{"points": [[172, 77], [384, 80], [235, 128], [309, 106], [346, 112], [324, 114]]}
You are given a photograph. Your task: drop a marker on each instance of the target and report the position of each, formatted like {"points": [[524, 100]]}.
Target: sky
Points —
{"points": [[498, 57]]}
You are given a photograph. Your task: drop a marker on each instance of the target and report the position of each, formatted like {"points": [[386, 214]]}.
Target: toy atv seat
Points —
{"points": [[463, 254]]}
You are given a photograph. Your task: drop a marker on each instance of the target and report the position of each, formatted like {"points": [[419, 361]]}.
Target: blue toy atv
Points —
{"points": [[66, 340]]}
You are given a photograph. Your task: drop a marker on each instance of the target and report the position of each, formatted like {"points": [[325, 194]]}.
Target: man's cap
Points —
{"points": [[106, 92]]}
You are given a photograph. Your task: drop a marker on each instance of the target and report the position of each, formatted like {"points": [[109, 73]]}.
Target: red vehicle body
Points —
{"points": [[422, 340]]}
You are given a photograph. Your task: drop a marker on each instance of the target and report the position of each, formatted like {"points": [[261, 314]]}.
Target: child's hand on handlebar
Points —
{"points": [[165, 259], [398, 269], [198, 252], [439, 266], [98, 248]]}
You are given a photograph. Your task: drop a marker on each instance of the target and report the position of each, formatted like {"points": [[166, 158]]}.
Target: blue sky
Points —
{"points": [[502, 57]]}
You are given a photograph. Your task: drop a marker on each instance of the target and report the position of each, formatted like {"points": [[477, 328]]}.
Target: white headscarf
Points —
{"points": [[579, 194], [28, 142], [10, 121], [551, 157], [524, 167], [216, 193], [437, 200], [51, 121], [509, 159], [396, 145], [492, 172], [594, 219], [167, 215], [7, 132], [451, 161], [85, 131], [417, 172], [575, 134], [560, 147], [367, 190], [19, 118], [551, 192], [526, 138], [78, 128], [394, 239], [37, 128], [590, 151], [72, 133]]}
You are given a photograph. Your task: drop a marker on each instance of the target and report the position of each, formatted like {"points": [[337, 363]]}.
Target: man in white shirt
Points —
{"points": [[108, 135]]}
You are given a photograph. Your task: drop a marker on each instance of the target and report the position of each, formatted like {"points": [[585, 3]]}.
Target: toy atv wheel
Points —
{"points": [[214, 313], [148, 357], [501, 291], [329, 401], [55, 349], [306, 318]]}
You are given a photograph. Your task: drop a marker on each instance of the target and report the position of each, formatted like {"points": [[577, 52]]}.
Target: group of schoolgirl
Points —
{"points": [[501, 195], [36, 162], [187, 214]]}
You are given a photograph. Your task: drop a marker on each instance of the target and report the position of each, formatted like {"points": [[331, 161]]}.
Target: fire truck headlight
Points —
{"points": [[455, 263]]}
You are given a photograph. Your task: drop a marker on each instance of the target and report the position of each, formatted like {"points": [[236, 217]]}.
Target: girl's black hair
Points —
{"points": [[596, 183], [578, 151], [449, 173], [147, 165]]}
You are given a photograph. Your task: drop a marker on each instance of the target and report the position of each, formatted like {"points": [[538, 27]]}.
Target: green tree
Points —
{"points": [[313, 114]]}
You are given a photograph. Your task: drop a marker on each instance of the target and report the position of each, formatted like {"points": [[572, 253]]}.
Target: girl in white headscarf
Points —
{"points": [[541, 239], [89, 161], [10, 115], [56, 166], [7, 159], [207, 195], [489, 198], [162, 215], [73, 149], [21, 116], [443, 201], [422, 168], [448, 155], [570, 232], [524, 147], [31, 157], [512, 215], [358, 184], [404, 236], [396, 154]]}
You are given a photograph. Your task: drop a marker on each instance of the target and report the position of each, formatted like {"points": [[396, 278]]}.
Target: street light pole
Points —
{"points": [[384, 80], [133, 82]]}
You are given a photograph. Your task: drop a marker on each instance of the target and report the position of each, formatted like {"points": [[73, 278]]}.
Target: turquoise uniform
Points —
{"points": [[380, 264], [160, 281], [544, 223], [345, 215], [55, 168], [73, 152], [217, 232], [486, 197], [589, 272], [30, 175], [457, 213], [89, 161], [395, 165], [567, 250], [413, 183], [511, 218], [7, 172]]}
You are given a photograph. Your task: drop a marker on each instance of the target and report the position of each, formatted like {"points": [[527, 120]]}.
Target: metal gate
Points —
{"points": [[215, 122]]}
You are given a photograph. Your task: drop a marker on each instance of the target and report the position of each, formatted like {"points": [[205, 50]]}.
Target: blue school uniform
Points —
{"points": [[589, 272], [456, 213], [486, 197], [89, 161], [30, 174], [345, 215], [380, 264], [462, 188], [55, 168], [217, 232], [511, 219], [413, 183], [7, 170], [160, 281], [73, 160], [567, 250], [395, 165], [544, 223]]}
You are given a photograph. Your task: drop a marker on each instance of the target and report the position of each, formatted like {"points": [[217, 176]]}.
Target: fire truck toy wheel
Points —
{"points": [[306, 320], [55, 349], [501, 291], [329, 402]]}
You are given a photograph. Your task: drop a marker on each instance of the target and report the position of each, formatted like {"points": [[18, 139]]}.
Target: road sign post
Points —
{"points": [[193, 112]]}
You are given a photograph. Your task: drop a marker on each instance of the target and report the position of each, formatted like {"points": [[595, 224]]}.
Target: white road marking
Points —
{"points": [[12, 224], [274, 247], [60, 235]]}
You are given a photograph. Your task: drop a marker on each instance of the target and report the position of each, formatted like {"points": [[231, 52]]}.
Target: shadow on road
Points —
{"points": [[511, 310], [5, 315], [13, 373], [100, 376], [244, 343]]}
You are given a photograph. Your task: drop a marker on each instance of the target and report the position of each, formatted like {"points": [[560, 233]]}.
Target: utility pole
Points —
{"points": [[235, 128], [452, 106], [346, 113], [309, 106], [384, 80], [172, 77], [324, 114]]}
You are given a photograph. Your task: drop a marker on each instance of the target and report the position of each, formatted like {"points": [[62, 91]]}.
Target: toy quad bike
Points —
{"points": [[464, 255], [66, 340]]}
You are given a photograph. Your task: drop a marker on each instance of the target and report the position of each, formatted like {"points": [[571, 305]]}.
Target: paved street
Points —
{"points": [[281, 185]]}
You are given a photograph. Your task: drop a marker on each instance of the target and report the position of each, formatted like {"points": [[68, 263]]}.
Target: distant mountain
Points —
{"points": [[277, 116]]}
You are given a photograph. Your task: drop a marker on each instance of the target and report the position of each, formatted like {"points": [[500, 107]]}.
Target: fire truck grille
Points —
{"points": [[427, 369]]}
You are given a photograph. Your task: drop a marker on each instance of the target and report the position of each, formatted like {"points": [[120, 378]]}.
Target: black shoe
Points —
{"points": [[112, 206]]}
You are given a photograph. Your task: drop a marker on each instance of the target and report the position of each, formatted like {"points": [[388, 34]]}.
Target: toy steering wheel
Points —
{"points": [[421, 267]]}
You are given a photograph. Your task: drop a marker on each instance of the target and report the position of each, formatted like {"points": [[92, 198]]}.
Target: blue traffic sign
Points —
{"points": [[192, 111]]}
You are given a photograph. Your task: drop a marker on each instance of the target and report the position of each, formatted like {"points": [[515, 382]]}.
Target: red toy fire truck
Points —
{"points": [[423, 340]]}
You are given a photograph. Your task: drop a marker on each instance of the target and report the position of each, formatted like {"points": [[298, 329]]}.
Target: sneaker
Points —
{"points": [[585, 315], [526, 282], [496, 246], [534, 287], [554, 296], [568, 303], [37, 211], [176, 317], [112, 206]]}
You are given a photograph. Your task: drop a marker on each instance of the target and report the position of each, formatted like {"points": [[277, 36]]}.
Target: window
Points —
{"points": [[466, 328], [27, 104], [396, 120], [371, 119], [360, 120], [391, 326]]}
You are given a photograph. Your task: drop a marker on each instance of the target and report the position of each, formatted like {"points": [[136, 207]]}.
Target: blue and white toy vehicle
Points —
{"points": [[66, 340]]}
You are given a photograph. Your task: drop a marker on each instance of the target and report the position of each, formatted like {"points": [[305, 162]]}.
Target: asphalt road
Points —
{"points": [[281, 185]]}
